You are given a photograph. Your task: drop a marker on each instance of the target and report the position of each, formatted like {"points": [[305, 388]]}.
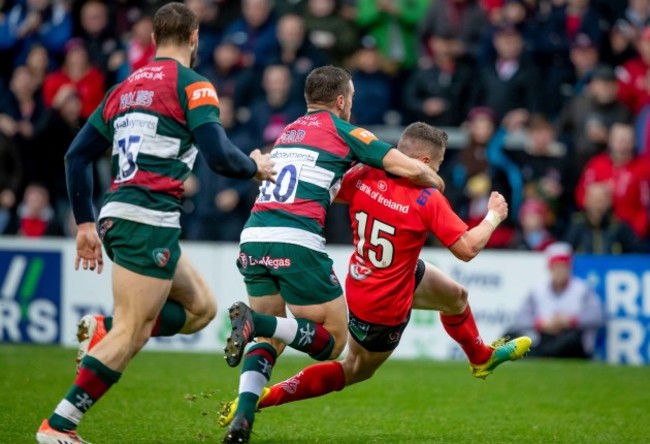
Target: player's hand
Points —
{"points": [[89, 248], [498, 204], [265, 170], [440, 183]]}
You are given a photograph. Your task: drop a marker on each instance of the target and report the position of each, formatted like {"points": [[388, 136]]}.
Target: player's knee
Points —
{"points": [[203, 311], [458, 302], [208, 310], [462, 296]]}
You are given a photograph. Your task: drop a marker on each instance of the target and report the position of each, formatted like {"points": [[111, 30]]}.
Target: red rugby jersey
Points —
{"points": [[390, 220]]}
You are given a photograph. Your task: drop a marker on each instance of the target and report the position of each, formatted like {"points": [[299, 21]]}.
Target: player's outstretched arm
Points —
{"points": [[226, 159], [473, 241], [399, 164], [87, 147]]}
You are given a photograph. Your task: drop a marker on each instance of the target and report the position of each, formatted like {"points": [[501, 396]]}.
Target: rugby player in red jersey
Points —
{"points": [[154, 120], [391, 219]]}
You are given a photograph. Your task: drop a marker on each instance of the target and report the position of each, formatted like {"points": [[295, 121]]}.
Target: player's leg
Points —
{"points": [[264, 297], [437, 291], [307, 284], [189, 307], [137, 300], [369, 346], [259, 359], [271, 305], [316, 380], [144, 262], [312, 292]]}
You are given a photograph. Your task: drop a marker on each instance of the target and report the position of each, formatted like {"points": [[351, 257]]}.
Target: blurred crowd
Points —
{"points": [[568, 79]]}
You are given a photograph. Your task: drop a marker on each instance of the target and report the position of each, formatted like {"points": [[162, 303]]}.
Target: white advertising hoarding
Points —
{"points": [[497, 283]]}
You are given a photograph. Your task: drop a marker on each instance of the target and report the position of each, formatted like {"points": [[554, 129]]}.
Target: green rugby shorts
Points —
{"points": [[302, 276], [141, 248]]}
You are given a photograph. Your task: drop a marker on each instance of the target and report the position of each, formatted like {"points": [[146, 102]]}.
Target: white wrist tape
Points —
{"points": [[493, 218]]}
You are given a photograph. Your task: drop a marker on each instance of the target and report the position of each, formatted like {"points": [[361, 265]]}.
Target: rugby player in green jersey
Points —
{"points": [[154, 121], [282, 252]]}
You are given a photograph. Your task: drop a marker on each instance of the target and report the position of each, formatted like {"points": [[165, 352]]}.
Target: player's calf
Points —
{"points": [[199, 315], [190, 291]]}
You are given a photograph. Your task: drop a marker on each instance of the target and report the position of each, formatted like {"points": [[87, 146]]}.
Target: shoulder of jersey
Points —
{"points": [[427, 196], [363, 135], [200, 93]]}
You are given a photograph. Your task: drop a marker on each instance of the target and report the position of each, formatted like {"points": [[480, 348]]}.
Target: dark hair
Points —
{"points": [[174, 24], [421, 132], [325, 84]]}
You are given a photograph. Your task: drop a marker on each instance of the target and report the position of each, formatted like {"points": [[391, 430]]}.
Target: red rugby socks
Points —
{"points": [[462, 329], [315, 380]]}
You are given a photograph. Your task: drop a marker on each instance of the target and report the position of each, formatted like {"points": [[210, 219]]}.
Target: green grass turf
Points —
{"points": [[406, 402]]}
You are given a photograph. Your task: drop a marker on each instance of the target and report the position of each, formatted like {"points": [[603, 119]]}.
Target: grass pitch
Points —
{"points": [[172, 398]]}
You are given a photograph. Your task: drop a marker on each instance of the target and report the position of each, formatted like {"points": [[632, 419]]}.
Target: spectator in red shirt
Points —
{"points": [[631, 75], [627, 175], [77, 71], [493, 8], [533, 219], [36, 216], [141, 49]]}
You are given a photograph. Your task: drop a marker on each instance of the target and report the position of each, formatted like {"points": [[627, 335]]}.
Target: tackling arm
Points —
{"points": [[221, 154], [399, 164]]}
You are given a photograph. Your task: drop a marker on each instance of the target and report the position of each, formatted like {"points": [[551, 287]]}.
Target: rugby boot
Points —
{"points": [[90, 330], [48, 435], [239, 431], [243, 332], [502, 351], [228, 409]]}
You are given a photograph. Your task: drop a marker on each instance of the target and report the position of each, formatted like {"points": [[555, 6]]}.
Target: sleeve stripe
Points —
{"points": [[201, 94]]}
